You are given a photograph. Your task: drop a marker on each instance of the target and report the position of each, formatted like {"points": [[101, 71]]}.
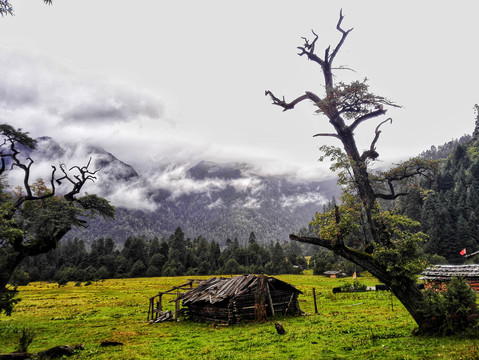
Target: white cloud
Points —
{"points": [[302, 199], [218, 204]]}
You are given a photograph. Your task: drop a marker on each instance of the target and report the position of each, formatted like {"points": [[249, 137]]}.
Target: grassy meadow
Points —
{"points": [[365, 325]]}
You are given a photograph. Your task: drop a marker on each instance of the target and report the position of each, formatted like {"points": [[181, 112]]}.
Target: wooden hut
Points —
{"points": [[333, 274], [444, 273], [246, 297]]}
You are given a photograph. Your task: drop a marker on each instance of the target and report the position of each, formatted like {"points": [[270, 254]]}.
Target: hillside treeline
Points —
{"points": [[175, 256], [448, 209], [447, 206]]}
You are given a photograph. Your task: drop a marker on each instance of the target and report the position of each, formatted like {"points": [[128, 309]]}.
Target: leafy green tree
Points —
{"points": [[323, 260], [278, 263], [153, 247], [34, 219], [214, 255], [232, 267], [121, 266], [102, 273], [172, 268], [157, 260], [384, 243], [153, 271], [138, 269], [134, 249], [177, 249], [252, 238]]}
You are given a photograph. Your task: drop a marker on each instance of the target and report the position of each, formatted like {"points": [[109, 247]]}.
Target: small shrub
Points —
{"points": [[449, 309], [19, 278], [355, 286], [25, 338], [62, 282], [8, 300]]}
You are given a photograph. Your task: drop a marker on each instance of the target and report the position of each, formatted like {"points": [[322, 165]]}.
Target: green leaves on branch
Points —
{"points": [[351, 100], [17, 136], [94, 205], [409, 170], [399, 247], [349, 220], [340, 163]]}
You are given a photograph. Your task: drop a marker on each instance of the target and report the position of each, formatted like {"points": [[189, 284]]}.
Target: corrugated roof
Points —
{"points": [[446, 272]]}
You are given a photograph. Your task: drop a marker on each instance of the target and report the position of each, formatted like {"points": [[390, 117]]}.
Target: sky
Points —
{"points": [[159, 82]]}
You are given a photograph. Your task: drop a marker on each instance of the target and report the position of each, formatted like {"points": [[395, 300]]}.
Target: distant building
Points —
{"points": [[335, 274], [444, 273]]}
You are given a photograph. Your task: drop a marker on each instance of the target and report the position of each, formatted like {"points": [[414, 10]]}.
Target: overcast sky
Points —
{"points": [[162, 81]]}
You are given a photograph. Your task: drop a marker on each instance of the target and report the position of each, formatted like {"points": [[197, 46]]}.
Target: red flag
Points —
{"points": [[463, 252]]}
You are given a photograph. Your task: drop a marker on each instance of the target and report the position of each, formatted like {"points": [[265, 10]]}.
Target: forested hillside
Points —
{"points": [[214, 200], [449, 207]]}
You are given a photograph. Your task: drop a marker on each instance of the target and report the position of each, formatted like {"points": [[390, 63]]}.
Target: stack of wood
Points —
{"points": [[163, 316]]}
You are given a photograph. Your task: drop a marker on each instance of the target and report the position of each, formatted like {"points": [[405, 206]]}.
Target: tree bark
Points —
{"points": [[403, 287]]}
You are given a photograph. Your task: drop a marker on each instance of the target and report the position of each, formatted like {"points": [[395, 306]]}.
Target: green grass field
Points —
{"points": [[368, 325]]}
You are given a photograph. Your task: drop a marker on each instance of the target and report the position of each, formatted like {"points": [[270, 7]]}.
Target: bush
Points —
{"points": [[19, 278], [449, 309], [7, 300], [355, 286], [25, 338]]}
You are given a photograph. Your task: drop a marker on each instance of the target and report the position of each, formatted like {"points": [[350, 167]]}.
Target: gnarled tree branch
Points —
{"points": [[288, 106], [84, 175], [343, 37], [327, 134], [371, 153], [368, 116], [308, 50]]}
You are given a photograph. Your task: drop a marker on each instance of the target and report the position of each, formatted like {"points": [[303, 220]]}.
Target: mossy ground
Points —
{"points": [[364, 325]]}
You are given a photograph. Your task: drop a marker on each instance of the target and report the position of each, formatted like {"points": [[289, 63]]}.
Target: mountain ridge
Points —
{"points": [[216, 200]]}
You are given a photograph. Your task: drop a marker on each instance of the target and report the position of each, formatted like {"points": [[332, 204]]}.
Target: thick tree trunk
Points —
{"points": [[403, 288], [13, 255]]}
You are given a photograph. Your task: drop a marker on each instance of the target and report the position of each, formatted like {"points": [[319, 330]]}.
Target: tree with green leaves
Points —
{"points": [[34, 218], [383, 242]]}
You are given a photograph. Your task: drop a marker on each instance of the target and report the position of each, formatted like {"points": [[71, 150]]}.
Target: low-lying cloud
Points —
{"points": [[47, 98]]}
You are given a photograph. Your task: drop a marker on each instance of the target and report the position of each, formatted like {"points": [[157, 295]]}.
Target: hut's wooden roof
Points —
{"points": [[218, 289], [446, 272]]}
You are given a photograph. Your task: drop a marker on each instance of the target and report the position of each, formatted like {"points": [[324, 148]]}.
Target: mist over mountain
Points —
{"points": [[218, 201]]}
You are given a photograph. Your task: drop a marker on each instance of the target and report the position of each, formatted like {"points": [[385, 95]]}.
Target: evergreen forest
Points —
{"points": [[175, 256], [447, 206]]}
